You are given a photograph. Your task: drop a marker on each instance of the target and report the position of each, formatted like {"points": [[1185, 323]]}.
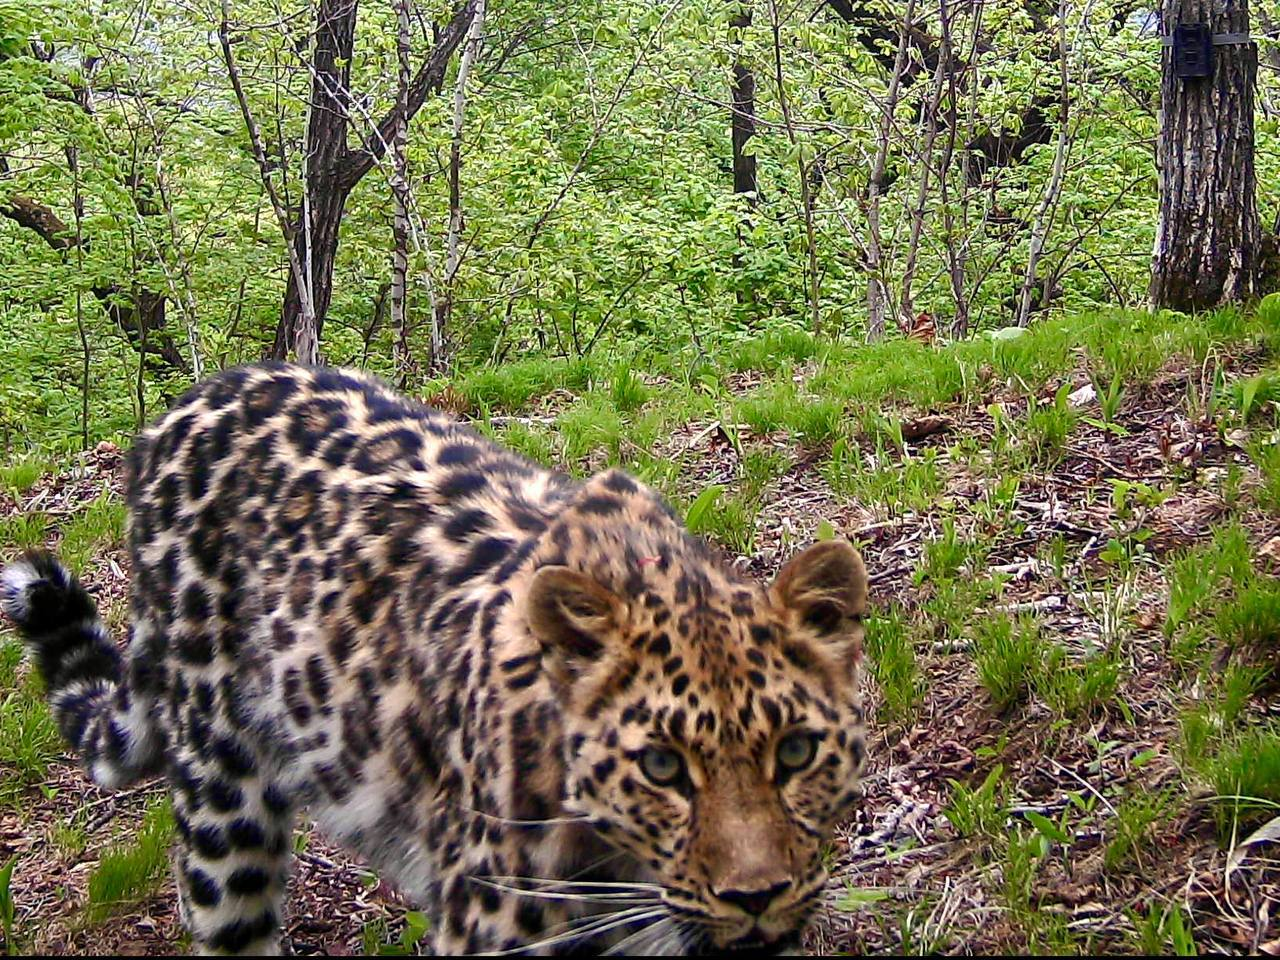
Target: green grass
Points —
{"points": [[1163, 931], [810, 420], [1244, 773], [1009, 656], [626, 389], [1078, 688], [1047, 428], [978, 813], [131, 871], [773, 352], [99, 526], [21, 476], [892, 658], [535, 442], [1130, 830], [29, 738], [897, 487], [24, 530], [511, 386], [1267, 458]]}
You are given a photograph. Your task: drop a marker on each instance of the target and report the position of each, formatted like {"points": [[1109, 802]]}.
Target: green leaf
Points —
{"points": [[700, 507], [1047, 827], [825, 530]]}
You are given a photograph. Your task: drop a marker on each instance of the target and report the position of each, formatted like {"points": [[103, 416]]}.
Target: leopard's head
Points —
{"points": [[713, 730]]}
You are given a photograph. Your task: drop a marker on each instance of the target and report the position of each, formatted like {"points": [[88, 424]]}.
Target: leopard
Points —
{"points": [[545, 712]]}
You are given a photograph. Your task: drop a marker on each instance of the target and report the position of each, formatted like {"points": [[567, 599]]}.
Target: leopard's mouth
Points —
{"points": [[757, 944]]}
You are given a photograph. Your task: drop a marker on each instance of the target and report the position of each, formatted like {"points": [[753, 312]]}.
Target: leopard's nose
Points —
{"points": [[754, 902]]}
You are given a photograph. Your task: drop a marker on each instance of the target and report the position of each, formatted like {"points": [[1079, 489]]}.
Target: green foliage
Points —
{"points": [[6, 906], [1009, 658], [1075, 688], [24, 530], [130, 871], [978, 812], [378, 942], [29, 738], [99, 526], [1163, 931], [892, 658], [1131, 827], [21, 476]]}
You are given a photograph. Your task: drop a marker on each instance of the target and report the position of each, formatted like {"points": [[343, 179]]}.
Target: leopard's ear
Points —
{"points": [[823, 591], [572, 615]]}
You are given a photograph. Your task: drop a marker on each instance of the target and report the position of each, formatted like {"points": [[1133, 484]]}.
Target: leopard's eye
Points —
{"points": [[796, 751], [661, 765]]}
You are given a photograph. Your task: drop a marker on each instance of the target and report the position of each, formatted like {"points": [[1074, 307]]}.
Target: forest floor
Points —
{"points": [[1071, 660]]}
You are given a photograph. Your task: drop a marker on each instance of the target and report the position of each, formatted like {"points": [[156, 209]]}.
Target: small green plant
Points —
{"points": [[99, 526], [1131, 827], [730, 520], [627, 390], [378, 943], [1163, 931], [1267, 457], [29, 738], [21, 476], [1110, 395], [1245, 776], [1021, 864], [24, 530], [943, 555], [6, 906], [1250, 621], [892, 658], [536, 443], [1047, 428], [131, 871], [1008, 657], [69, 836], [978, 812], [1077, 688]]}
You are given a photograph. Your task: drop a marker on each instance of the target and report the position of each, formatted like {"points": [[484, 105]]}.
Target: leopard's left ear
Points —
{"points": [[823, 590]]}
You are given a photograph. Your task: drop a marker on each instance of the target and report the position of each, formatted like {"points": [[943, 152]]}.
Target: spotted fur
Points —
{"points": [[468, 669]]}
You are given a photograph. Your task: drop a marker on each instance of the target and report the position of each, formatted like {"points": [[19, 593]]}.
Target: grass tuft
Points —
{"points": [[1009, 657], [892, 657], [131, 871]]}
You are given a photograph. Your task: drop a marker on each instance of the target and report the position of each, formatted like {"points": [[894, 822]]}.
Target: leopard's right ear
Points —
{"points": [[572, 615]]}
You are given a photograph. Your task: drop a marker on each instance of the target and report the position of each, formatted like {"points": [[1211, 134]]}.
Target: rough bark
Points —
{"points": [[1207, 235], [743, 96], [333, 168]]}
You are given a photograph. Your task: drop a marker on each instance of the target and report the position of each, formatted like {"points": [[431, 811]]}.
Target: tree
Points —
{"points": [[1207, 236], [333, 166]]}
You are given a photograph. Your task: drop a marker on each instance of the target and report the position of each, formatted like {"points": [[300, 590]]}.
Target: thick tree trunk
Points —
{"points": [[1207, 235]]}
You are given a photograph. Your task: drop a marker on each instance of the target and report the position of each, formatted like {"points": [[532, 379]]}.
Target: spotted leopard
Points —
{"points": [[552, 717]]}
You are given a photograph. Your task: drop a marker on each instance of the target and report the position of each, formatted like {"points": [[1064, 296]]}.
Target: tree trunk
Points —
{"points": [[1207, 234], [877, 293], [743, 95], [442, 315], [400, 191], [332, 168]]}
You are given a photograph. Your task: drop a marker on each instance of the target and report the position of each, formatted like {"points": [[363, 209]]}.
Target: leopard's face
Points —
{"points": [[715, 734]]}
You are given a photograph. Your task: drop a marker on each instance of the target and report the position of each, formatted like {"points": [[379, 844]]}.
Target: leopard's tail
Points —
{"points": [[84, 676]]}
